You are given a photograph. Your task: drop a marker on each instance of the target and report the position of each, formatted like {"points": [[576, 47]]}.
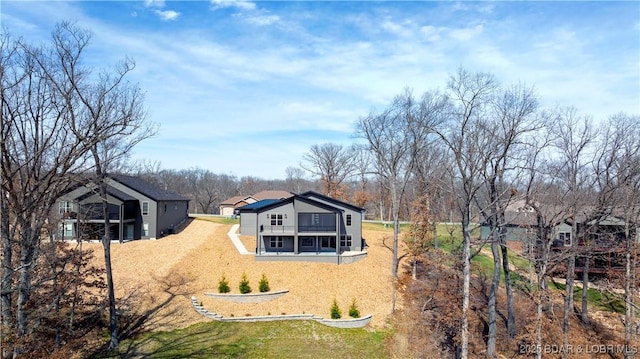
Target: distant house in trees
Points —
{"points": [[304, 227], [600, 238], [228, 206], [519, 231], [137, 210]]}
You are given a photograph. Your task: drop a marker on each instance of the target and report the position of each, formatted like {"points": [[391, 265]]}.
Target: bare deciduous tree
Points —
{"points": [[295, 178], [469, 93], [395, 137], [574, 136], [38, 153], [510, 119], [618, 176], [59, 120], [333, 164]]}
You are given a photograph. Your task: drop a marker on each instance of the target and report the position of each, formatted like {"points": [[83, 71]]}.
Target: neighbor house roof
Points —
{"points": [[272, 194], [146, 188], [233, 200]]}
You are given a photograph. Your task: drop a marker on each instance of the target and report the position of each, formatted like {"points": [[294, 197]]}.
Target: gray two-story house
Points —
{"points": [[137, 209], [307, 226]]}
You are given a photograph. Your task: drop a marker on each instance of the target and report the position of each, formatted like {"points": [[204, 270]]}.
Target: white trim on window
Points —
{"points": [[145, 208], [65, 206]]}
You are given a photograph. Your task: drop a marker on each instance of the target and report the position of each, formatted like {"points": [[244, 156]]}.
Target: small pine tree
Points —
{"points": [[335, 310], [223, 285], [354, 312], [263, 286], [244, 284]]}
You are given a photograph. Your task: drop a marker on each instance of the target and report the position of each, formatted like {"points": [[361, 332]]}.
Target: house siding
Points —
{"points": [[248, 224], [355, 230], [127, 220], [303, 227], [170, 215], [288, 225]]}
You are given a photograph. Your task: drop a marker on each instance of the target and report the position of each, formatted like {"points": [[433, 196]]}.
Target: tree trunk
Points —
{"points": [[6, 281], [414, 268], [629, 317], [74, 301], [568, 300], [493, 294], [511, 311], [466, 281], [584, 315], [27, 256], [106, 243]]}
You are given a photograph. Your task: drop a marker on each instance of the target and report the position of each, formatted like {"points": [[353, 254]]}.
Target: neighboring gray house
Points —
{"points": [[307, 226], [137, 210], [520, 221]]}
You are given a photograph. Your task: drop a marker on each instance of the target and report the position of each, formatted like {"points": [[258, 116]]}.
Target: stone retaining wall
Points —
{"points": [[338, 323], [249, 297]]}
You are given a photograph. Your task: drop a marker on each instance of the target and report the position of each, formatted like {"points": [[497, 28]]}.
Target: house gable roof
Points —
{"points": [[233, 200], [311, 194], [262, 195], [146, 188], [257, 206], [114, 192], [267, 204]]}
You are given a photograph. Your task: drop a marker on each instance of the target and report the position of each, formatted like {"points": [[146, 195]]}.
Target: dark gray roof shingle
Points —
{"points": [[146, 188]]}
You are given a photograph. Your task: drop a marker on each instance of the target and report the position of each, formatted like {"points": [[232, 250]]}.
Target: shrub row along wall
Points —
{"points": [[339, 323]]}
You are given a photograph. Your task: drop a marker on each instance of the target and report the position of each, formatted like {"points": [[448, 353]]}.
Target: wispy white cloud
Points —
{"points": [[268, 93], [167, 15], [154, 3], [466, 33], [239, 4], [259, 19], [431, 33]]}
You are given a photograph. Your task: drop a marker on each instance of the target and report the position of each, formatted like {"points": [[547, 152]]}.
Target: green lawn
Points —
{"points": [[601, 300], [280, 339]]}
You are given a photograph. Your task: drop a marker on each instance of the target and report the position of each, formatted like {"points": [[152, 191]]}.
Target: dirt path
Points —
{"points": [[161, 276]]}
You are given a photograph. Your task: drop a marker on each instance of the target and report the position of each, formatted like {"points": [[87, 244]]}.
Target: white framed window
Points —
{"points": [[565, 237], [348, 220], [275, 242], [145, 229], [64, 207], [65, 230], [145, 208], [276, 219], [345, 241]]}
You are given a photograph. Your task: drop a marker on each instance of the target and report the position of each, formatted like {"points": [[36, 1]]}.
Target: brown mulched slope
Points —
{"points": [[161, 276]]}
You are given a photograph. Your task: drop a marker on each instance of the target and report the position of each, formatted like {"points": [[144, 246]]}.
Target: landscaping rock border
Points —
{"points": [[337, 323]]}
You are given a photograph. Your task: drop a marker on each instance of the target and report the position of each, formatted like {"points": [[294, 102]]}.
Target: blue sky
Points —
{"points": [[245, 88]]}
